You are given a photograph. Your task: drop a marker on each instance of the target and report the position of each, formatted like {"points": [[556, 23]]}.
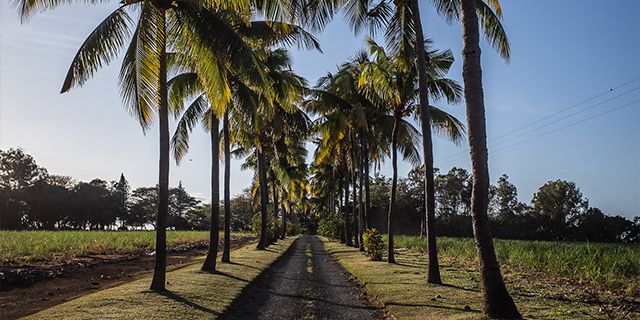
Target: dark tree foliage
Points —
{"points": [[31, 198], [558, 210]]}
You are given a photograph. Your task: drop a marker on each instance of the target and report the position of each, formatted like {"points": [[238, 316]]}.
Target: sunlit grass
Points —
{"points": [[193, 294], [29, 246], [404, 290], [600, 263]]}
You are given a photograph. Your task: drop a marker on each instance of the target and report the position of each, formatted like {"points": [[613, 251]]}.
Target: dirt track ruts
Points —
{"points": [[305, 283]]}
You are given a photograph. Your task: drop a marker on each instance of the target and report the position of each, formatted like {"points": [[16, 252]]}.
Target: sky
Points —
{"points": [[563, 53]]}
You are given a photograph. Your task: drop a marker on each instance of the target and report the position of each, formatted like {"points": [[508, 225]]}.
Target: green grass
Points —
{"points": [[32, 246], [598, 263], [193, 294], [403, 289]]}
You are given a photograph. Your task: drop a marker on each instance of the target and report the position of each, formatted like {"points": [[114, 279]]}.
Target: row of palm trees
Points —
{"points": [[203, 61]]}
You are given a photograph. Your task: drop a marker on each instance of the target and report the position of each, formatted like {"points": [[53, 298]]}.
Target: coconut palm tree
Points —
{"points": [[497, 303], [186, 85], [392, 79], [143, 76], [258, 113]]}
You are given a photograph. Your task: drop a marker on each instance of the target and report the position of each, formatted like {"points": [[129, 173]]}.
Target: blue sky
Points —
{"points": [[563, 52]]}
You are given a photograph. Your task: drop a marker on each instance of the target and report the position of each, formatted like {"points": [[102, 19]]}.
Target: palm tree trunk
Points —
{"points": [[262, 180], [367, 195], [284, 220], [497, 303], [356, 207], [394, 186], [160, 268], [226, 253], [275, 206], [347, 233], [427, 147], [360, 203], [209, 264]]}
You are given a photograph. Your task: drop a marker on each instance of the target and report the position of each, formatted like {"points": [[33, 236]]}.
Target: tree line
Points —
{"points": [[557, 211], [32, 198]]}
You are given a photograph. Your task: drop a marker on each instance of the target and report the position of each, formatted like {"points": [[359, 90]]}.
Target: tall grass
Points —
{"points": [[29, 246], [598, 262]]}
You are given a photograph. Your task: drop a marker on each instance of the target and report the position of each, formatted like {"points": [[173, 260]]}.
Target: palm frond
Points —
{"points": [[100, 47], [191, 116]]}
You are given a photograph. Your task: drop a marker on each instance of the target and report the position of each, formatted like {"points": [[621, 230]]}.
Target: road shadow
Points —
{"points": [[245, 305]]}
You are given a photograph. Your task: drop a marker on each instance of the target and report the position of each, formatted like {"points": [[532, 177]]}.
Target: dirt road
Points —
{"points": [[305, 283]]}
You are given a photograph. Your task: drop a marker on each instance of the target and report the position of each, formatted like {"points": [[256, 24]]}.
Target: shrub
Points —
{"points": [[332, 227], [374, 244], [293, 229]]}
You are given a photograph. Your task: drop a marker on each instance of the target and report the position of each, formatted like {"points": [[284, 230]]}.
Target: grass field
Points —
{"points": [[404, 290], [597, 263], [192, 294], [31, 246]]}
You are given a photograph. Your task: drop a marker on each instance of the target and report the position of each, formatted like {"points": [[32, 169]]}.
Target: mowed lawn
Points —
{"points": [[192, 294], [404, 290], [32, 246]]}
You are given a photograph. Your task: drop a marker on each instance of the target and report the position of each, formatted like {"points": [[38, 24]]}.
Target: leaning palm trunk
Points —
{"points": [[209, 264], [226, 253], [394, 186], [160, 268], [497, 303], [427, 147], [262, 180]]}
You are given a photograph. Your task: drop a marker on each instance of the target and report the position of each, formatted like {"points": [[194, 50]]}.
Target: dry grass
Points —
{"points": [[192, 294], [403, 288]]}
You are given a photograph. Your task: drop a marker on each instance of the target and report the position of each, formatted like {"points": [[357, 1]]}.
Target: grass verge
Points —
{"points": [[612, 264], [32, 246], [403, 289], [192, 294]]}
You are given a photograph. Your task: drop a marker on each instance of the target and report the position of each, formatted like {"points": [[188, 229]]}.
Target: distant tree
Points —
{"points": [[593, 225], [181, 203], [380, 188], [121, 193], [555, 207], [95, 204], [243, 210], [632, 234], [144, 204], [198, 218], [49, 202], [453, 192], [18, 172]]}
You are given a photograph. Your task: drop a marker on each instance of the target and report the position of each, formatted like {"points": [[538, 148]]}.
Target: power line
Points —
{"points": [[561, 128], [457, 155], [568, 108], [567, 116], [571, 124]]}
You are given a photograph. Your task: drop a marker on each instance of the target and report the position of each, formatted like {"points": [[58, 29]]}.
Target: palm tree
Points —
{"points": [[186, 85], [259, 112], [226, 251], [143, 75], [497, 303], [392, 80]]}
